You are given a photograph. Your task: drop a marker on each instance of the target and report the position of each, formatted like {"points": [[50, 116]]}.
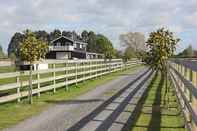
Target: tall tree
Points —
{"points": [[67, 34], [134, 40], [104, 45], [31, 50], [13, 47], [129, 53], [162, 44], [84, 36], [188, 52], [43, 35], [2, 55], [55, 34], [91, 47]]}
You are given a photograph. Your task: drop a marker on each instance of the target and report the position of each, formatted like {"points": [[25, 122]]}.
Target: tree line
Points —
{"points": [[188, 52], [97, 43]]}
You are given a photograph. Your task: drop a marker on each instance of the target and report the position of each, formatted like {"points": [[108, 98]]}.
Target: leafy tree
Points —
{"points": [[118, 53], [162, 44], [129, 53], [55, 34], [91, 47], [105, 46], [13, 47], [135, 40], [2, 55], [41, 34], [31, 50], [188, 52], [84, 36], [67, 34]]}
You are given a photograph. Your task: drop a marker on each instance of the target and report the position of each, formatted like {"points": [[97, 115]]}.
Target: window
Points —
{"points": [[75, 45], [58, 44]]}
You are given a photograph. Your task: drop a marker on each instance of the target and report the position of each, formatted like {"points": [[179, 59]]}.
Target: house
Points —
{"points": [[68, 48]]}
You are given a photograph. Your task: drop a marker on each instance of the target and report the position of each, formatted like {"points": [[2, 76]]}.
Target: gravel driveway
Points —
{"points": [[107, 107]]}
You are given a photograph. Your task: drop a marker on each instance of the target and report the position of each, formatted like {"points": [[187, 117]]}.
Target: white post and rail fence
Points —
{"points": [[61, 73], [184, 76]]}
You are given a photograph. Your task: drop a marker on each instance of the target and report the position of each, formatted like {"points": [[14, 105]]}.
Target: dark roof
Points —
{"points": [[64, 37]]}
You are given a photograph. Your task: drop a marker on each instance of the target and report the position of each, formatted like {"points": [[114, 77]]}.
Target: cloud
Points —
{"points": [[111, 17]]}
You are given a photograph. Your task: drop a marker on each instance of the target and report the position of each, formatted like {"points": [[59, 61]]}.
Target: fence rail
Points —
{"points": [[184, 76], [61, 73]]}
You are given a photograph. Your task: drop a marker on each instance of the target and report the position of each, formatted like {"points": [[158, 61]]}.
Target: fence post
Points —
{"points": [[194, 100], [84, 70], [96, 67], [90, 64], [18, 89], [106, 66], [76, 73], [54, 81], [66, 67], [38, 84]]}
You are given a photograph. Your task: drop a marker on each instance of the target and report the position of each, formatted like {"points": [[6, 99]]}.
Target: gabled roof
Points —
{"points": [[64, 37], [70, 39]]}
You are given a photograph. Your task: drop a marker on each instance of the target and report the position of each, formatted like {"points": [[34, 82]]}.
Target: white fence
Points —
{"points": [[61, 73], [184, 76]]}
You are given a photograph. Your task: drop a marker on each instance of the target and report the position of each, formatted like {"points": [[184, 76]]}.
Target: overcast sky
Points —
{"points": [[110, 17]]}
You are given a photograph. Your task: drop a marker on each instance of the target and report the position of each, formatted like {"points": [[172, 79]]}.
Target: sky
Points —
{"points": [[109, 17]]}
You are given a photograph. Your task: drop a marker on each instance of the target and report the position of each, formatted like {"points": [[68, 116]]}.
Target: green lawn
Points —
{"points": [[12, 113], [158, 110]]}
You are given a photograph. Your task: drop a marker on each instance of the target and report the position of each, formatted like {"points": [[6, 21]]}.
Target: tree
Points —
{"points": [[188, 52], [104, 46], [129, 53], [13, 47], [2, 55], [55, 34], [162, 44], [118, 53], [84, 36], [67, 34], [91, 47], [43, 35], [31, 50], [134, 40]]}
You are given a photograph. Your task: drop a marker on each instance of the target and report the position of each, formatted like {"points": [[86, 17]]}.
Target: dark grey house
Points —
{"points": [[67, 48]]}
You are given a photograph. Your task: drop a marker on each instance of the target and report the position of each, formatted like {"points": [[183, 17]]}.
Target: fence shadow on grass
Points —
{"points": [[155, 122]]}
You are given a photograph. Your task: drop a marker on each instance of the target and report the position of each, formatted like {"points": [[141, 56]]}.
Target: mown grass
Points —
{"points": [[12, 113], [159, 111], [5, 69]]}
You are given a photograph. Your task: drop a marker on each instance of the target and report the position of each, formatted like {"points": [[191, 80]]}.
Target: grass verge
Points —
{"points": [[12, 113], [157, 110]]}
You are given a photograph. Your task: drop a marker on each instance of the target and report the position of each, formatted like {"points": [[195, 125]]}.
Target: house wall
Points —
{"points": [[63, 55], [78, 55]]}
